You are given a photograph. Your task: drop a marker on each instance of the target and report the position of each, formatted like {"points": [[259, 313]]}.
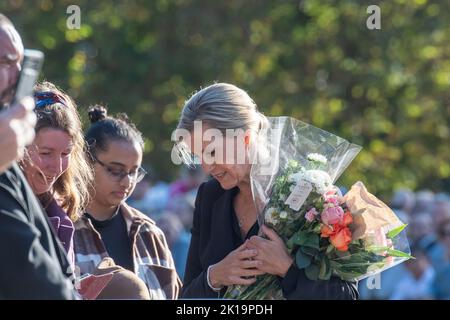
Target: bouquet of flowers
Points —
{"points": [[351, 236]]}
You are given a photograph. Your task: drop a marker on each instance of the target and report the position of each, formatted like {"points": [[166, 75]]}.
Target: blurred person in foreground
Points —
{"points": [[34, 263]]}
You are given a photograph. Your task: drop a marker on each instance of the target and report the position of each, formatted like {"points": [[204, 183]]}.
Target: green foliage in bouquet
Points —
{"points": [[322, 247]]}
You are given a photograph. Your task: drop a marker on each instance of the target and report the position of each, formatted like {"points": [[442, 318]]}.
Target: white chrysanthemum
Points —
{"points": [[296, 177], [269, 216], [317, 157], [283, 197], [283, 215], [319, 179]]}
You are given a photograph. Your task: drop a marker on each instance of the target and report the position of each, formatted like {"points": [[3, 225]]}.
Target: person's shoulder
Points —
{"points": [[133, 214], [10, 179], [138, 217], [13, 191], [148, 225]]}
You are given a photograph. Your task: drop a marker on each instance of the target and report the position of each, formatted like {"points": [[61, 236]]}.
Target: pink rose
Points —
{"points": [[332, 200], [311, 214], [329, 194], [333, 196], [332, 215]]}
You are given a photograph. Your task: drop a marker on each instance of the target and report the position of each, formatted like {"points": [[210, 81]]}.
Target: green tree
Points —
{"points": [[387, 90]]}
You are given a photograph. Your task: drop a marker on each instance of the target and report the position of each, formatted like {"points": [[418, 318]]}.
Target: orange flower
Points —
{"points": [[347, 219], [339, 233], [326, 231], [341, 238]]}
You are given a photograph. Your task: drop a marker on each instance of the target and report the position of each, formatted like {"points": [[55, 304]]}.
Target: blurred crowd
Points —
{"points": [[428, 275]]}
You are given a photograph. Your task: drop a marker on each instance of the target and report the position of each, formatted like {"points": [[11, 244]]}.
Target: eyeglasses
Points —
{"points": [[117, 175]]}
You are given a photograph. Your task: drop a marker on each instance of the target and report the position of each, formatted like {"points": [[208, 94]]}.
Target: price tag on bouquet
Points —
{"points": [[299, 194]]}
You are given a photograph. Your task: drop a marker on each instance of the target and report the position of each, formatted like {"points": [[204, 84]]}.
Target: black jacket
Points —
{"points": [[32, 260], [214, 236]]}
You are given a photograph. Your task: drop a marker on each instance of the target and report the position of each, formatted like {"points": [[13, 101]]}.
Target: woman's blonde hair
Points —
{"points": [[222, 106], [72, 187]]}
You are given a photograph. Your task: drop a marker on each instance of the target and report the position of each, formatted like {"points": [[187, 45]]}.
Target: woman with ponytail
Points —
{"points": [[111, 228]]}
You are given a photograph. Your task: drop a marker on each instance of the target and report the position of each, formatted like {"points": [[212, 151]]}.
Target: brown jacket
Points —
{"points": [[153, 261]]}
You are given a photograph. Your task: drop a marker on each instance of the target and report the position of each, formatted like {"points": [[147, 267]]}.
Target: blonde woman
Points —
{"points": [[225, 249]]}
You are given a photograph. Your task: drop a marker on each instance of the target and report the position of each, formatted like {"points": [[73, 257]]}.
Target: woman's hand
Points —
{"points": [[272, 253], [16, 131], [235, 267]]}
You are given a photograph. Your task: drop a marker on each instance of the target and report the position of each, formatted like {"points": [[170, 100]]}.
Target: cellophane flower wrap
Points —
{"points": [[327, 234]]}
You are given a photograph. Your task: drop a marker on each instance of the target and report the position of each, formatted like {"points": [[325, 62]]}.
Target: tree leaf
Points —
{"points": [[307, 239], [309, 250], [377, 249], [302, 260], [325, 269], [312, 272], [398, 253], [330, 249], [394, 232]]}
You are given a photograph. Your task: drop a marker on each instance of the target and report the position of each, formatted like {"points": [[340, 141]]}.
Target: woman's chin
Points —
{"points": [[226, 185], [40, 189], [116, 200]]}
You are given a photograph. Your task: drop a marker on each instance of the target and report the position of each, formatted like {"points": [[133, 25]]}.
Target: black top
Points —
{"points": [[33, 262], [215, 233], [115, 237]]}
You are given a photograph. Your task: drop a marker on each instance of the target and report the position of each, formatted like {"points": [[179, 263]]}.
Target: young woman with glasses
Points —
{"points": [[111, 228]]}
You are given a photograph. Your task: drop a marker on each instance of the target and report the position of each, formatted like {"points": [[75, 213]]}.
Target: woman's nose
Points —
{"points": [[126, 181], [56, 166]]}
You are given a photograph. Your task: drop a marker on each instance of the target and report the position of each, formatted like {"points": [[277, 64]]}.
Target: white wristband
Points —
{"points": [[209, 283]]}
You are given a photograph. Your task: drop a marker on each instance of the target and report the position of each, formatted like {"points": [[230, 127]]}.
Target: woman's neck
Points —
{"points": [[244, 208], [46, 198], [245, 197], [101, 212], [245, 190]]}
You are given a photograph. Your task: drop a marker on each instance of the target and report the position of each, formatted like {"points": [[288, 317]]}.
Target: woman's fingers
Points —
{"points": [[239, 280], [242, 247], [257, 241], [270, 233], [247, 264], [250, 272], [247, 253]]}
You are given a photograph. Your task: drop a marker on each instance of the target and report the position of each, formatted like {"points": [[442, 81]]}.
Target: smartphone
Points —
{"points": [[31, 66]]}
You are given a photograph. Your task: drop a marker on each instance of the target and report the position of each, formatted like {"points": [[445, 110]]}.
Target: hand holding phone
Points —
{"points": [[16, 131], [31, 66], [17, 122]]}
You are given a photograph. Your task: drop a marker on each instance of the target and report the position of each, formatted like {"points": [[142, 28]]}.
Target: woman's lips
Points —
{"points": [[120, 194], [50, 180]]}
